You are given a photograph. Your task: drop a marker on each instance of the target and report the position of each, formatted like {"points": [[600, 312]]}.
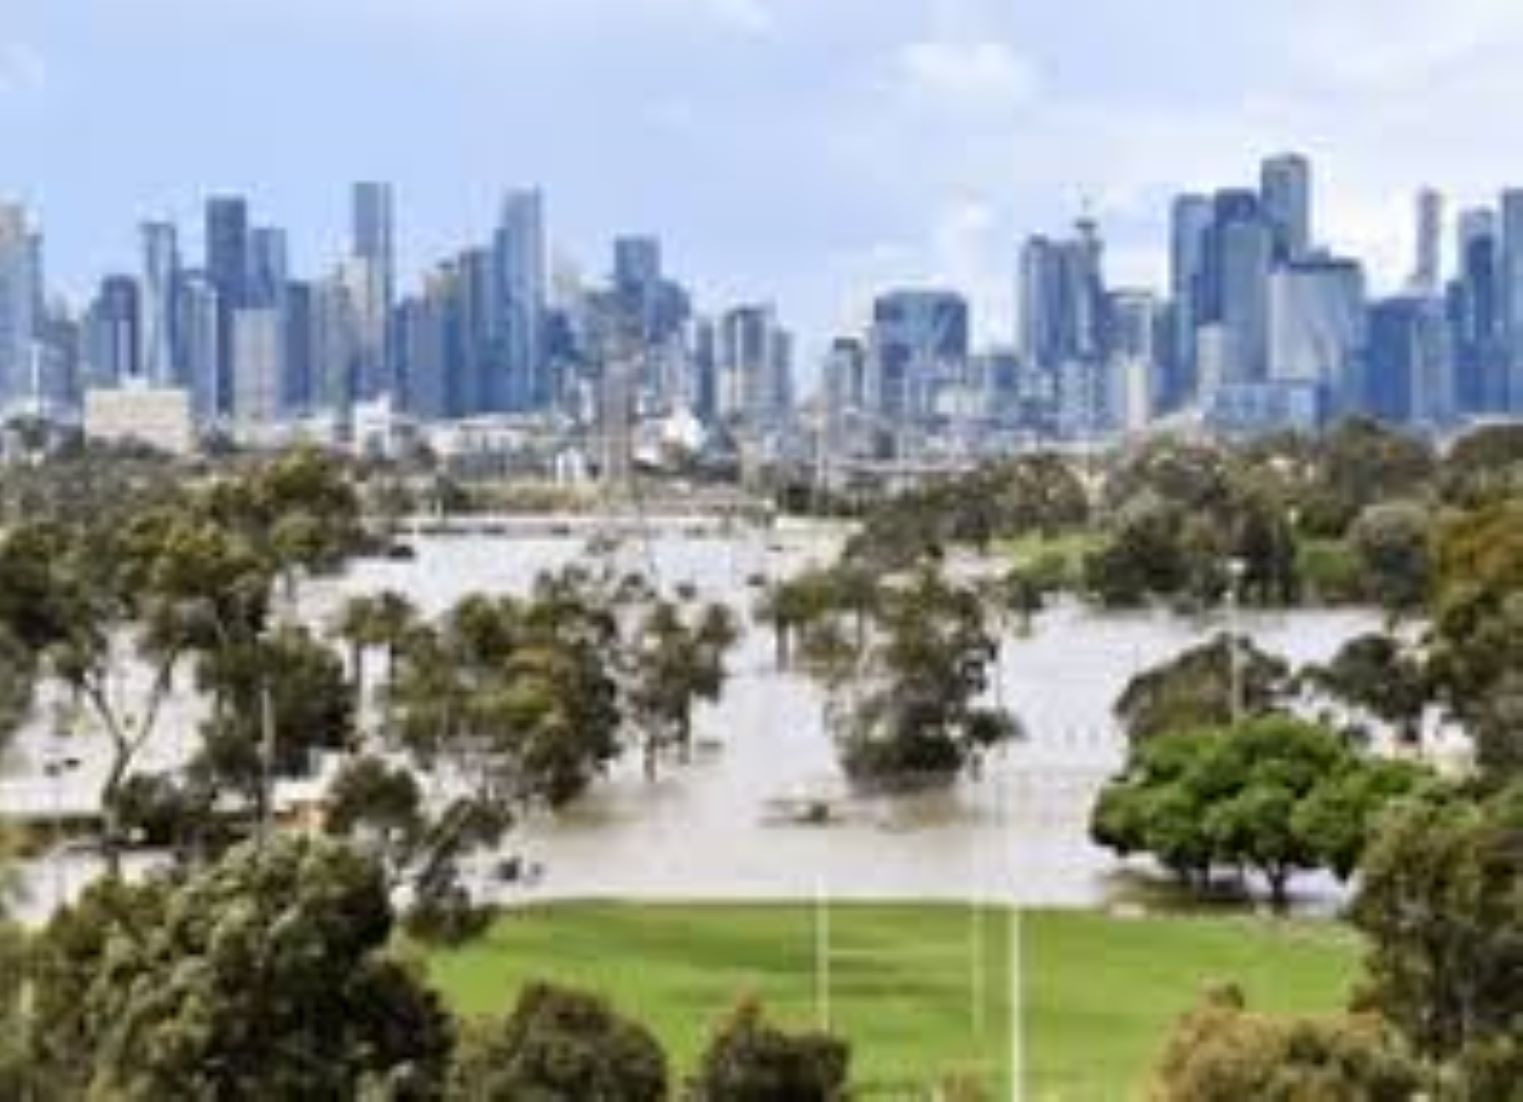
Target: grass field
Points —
{"points": [[922, 991]]}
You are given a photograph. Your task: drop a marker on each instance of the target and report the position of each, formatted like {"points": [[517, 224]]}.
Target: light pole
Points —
{"points": [[1236, 568]]}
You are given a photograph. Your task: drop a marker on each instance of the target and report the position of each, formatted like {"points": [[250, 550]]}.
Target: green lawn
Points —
{"points": [[1100, 993]]}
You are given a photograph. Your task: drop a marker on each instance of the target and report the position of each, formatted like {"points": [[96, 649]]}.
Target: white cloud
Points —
{"points": [[746, 16], [22, 67], [981, 77]]}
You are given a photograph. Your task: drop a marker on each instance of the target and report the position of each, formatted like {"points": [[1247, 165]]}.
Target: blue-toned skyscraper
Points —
{"points": [[21, 305], [1190, 225], [159, 357], [518, 316], [110, 341], [1239, 257], [227, 267], [1285, 194], [1511, 397], [1317, 334], [1475, 312], [919, 338]]}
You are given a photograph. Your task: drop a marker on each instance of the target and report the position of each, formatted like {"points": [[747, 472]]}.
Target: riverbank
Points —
{"points": [[923, 991]]}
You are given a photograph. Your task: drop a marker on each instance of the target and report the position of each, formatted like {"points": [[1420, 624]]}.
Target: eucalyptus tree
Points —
{"points": [[676, 661]]}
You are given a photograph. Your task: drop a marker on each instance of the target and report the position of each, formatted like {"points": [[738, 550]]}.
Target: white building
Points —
{"points": [[157, 416]]}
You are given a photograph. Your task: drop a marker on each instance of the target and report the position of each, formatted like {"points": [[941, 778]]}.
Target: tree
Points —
{"points": [[1378, 676], [264, 976], [1477, 638], [284, 698], [749, 1060], [907, 701], [1440, 901], [1391, 543], [1274, 795], [1222, 1053], [1195, 688], [559, 1046], [674, 665]]}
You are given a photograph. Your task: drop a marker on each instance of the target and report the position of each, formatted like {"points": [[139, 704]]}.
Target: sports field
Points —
{"points": [[922, 991]]}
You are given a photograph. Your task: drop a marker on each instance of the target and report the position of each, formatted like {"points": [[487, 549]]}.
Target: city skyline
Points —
{"points": [[811, 154]]}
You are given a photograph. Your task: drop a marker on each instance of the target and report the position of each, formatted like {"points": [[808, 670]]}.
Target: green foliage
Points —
{"points": [[1195, 688], [1477, 611], [559, 1046], [1390, 542], [911, 709], [1330, 571], [1036, 494], [1361, 463], [1440, 899], [1223, 1053], [265, 976], [1378, 676], [1275, 795], [751, 1061], [1483, 465]]}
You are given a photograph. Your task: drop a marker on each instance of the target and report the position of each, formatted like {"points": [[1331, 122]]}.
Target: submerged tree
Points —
{"points": [[908, 675]]}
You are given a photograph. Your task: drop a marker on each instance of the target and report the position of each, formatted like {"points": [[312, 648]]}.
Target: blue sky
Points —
{"points": [[806, 151]]}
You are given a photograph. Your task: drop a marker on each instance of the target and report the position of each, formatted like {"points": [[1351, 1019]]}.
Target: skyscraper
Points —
{"points": [[1239, 257], [373, 244], [227, 267], [374, 233], [1317, 329], [519, 303], [1511, 396], [1475, 311], [1190, 223], [919, 338], [1285, 195], [159, 359], [755, 362], [1408, 378], [201, 328], [1427, 275], [111, 341], [258, 367], [268, 268]]}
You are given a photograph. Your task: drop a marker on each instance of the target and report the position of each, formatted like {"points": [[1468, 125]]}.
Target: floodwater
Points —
{"points": [[720, 827]]}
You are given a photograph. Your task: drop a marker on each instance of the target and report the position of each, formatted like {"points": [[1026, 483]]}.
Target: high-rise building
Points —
{"points": [[111, 344], [1475, 313], [1131, 391], [1239, 257], [201, 329], [1408, 364], [1511, 396], [518, 316], [1427, 276], [755, 367], [258, 367], [1285, 194], [21, 305], [269, 268], [1317, 328], [296, 310], [1062, 293], [159, 357], [919, 339], [373, 246], [227, 267], [334, 346], [1190, 225], [365, 283], [374, 231]]}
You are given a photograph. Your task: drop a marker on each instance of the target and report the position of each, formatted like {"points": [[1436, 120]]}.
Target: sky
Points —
{"points": [[805, 152]]}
